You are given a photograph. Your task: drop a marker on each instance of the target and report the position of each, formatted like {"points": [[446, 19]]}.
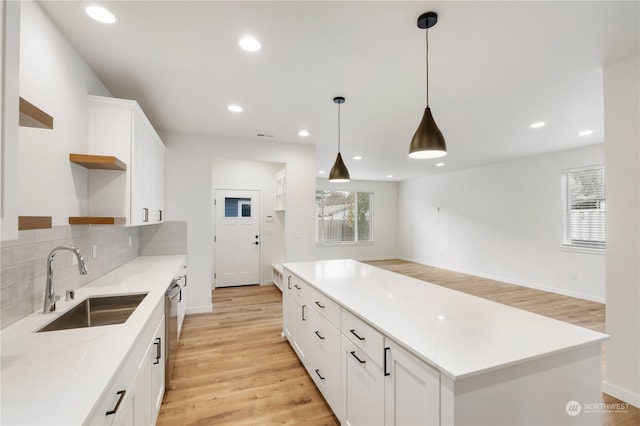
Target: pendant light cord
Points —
{"points": [[427, 61], [338, 128]]}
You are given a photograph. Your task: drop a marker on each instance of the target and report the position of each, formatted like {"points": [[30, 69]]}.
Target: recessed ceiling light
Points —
{"points": [[357, 157], [389, 176], [537, 124], [439, 164], [321, 172], [585, 133], [235, 108], [303, 133], [100, 14], [249, 44]]}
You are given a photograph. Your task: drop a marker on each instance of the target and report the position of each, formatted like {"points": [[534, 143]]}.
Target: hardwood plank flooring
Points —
{"points": [[232, 367]]}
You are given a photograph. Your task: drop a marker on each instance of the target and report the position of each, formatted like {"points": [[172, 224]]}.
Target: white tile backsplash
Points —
{"points": [[23, 263]]}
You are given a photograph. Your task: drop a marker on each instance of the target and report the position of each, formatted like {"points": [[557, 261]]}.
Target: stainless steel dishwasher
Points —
{"points": [[171, 299]]}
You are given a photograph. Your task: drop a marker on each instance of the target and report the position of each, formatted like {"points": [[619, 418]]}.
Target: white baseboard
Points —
{"points": [[622, 394], [536, 286], [203, 309]]}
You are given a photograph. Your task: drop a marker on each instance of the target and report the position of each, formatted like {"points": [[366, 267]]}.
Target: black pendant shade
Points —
{"points": [[427, 141], [339, 172]]}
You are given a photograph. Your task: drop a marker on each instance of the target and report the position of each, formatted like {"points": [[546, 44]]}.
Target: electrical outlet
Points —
{"points": [[574, 276], [130, 240], [95, 251]]}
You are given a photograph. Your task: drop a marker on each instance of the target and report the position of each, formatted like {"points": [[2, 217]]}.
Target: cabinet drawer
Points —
{"points": [[325, 306], [326, 380], [297, 285], [116, 399], [325, 339], [363, 336]]}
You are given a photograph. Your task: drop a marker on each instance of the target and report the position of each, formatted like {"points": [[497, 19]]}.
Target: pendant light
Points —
{"points": [[339, 172], [428, 141]]}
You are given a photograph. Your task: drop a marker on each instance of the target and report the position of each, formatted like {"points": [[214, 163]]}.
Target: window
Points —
{"points": [[584, 207], [237, 207], [344, 216]]}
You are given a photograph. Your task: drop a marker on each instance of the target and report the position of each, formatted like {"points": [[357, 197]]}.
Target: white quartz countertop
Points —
{"points": [[56, 377], [460, 334]]}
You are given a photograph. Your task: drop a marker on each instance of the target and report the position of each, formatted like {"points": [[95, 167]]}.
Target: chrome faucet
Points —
{"points": [[49, 296]]}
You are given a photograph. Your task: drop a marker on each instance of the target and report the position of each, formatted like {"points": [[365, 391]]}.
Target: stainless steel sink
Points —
{"points": [[96, 311]]}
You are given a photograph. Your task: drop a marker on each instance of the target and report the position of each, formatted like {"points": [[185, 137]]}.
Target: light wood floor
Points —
{"points": [[233, 367]]}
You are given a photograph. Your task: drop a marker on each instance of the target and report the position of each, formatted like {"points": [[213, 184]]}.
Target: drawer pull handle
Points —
{"points": [[386, 351], [297, 286], [319, 305], [353, 331], [121, 393], [318, 373], [158, 355], [304, 312], [289, 282], [356, 357], [318, 334]]}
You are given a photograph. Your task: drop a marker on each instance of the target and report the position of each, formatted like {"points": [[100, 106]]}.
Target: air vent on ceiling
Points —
{"points": [[264, 135]]}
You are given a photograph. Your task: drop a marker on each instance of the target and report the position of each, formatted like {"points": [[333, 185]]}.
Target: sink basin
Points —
{"points": [[97, 311]]}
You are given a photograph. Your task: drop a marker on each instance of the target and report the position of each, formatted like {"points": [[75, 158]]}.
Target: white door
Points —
{"points": [[237, 238]]}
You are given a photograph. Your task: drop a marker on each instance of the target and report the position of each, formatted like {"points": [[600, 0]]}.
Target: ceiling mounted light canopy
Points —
{"points": [[339, 172], [427, 142]]}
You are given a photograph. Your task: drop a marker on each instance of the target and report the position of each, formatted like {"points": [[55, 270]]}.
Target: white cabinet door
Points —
{"points": [[142, 404], [157, 180], [137, 171], [9, 107], [157, 370], [182, 304], [300, 327], [362, 387], [412, 389], [288, 310]]}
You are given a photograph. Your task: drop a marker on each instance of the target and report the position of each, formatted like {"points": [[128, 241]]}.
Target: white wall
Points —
{"points": [[621, 112], [55, 78], [385, 223], [256, 175], [501, 221], [188, 195]]}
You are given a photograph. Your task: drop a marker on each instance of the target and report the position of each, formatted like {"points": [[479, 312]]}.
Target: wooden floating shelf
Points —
{"points": [[89, 220], [33, 222], [100, 162], [32, 116]]}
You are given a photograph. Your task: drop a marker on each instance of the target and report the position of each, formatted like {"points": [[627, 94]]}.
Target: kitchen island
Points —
{"points": [[384, 348]]}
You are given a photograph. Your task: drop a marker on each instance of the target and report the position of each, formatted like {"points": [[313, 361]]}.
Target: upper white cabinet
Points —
{"points": [[9, 101], [281, 190], [119, 128]]}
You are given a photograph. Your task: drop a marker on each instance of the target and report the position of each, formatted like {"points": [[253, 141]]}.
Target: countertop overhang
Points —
{"points": [[459, 334], [56, 377]]}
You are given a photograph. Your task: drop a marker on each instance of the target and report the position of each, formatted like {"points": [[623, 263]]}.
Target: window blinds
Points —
{"points": [[584, 207]]}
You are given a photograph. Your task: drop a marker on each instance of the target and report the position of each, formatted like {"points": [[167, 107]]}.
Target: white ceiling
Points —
{"points": [[495, 67]]}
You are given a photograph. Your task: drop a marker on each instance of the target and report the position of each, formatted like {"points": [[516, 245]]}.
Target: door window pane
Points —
{"points": [[237, 207]]}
